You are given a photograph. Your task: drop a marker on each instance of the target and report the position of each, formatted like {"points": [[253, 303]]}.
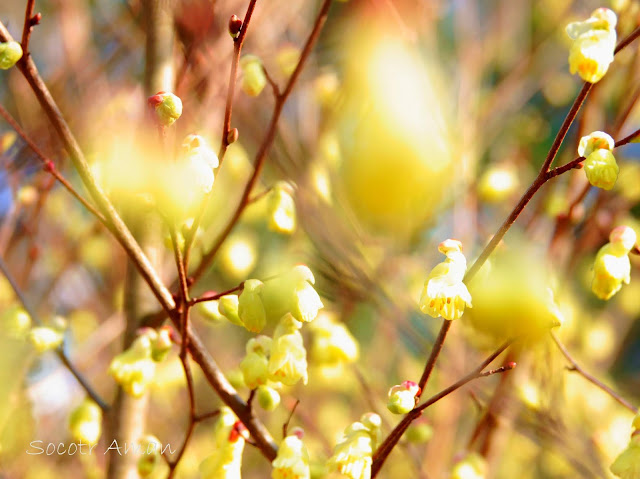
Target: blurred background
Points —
{"points": [[413, 122]]}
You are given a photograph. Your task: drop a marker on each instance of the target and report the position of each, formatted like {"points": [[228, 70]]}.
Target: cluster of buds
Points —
{"points": [[594, 42], [254, 78], [472, 466], [167, 106], [10, 54], [226, 461], [612, 267], [281, 209], [290, 293], [403, 397], [85, 423], [151, 453], [444, 293], [135, 368], [627, 464], [352, 456], [47, 338], [600, 165], [292, 461], [332, 343]]}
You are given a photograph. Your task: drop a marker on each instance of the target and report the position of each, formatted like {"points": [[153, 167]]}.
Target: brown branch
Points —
{"points": [[28, 26], [285, 426], [589, 377], [394, 436], [215, 296], [268, 139], [60, 352], [433, 356]]}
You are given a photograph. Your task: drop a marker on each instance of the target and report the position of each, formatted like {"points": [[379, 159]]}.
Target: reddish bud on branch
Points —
{"points": [[235, 25]]}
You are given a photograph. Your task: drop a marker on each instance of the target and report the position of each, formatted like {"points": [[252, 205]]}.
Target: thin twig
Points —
{"points": [[28, 26], [60, 352], [592, 379], [285, 426], [215, 296]]}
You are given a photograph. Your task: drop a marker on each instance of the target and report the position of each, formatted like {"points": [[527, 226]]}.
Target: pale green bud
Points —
{"points": [[268, 398], [10, 54], [168, 107], [209, 310], [228, 307], [250, 308], [85, 423], [253, 77], [419, 433], [293, 293], [402, 397]]}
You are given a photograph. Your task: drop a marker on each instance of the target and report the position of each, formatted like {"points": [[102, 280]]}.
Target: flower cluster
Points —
{"points": [[444, 293], [594, 42], [612, 267], [226, 461], [353, 454], [292, 461], [600, 165], [135, 368]]}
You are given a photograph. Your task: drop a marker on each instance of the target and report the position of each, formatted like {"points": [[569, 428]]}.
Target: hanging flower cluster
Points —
{"points": [[292, 461], [353, 454], [226, 461], [612, 267], [600, 165]]}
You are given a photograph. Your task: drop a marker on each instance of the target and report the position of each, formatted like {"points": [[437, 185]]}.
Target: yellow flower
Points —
{"points": [[288, 361], [591, 54], [253, 78], [293, 293], [281, 209], [250, 308], [627, 464], [444, 293], [228, 307], [598, 140], [45, 339], [612, 267], [85, 422], [134, 368], [332, 342], [353, 454], [254, 366], [151, 449], [473, 466], [292, 461], [226, 460], [601, 169]]}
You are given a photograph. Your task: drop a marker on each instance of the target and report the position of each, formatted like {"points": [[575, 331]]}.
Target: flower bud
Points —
{"points": [[601, 169], [292, 461], [209, 310], [288, 361], [168, 107], [281, 209], [228, 307], [134, 368], [45, 339], [268, 398], [598, 140], [151, 449], [232, 136], [253, 79], [235, 25], [402, 397], [85, 423], [419, 433], [161, 344], [250, 308], [10, 54]]}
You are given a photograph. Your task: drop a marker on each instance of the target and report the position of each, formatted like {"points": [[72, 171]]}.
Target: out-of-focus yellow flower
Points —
{"points": [[44, 338], [292, 461], [10, 53], [238, 255], [332, 343], [226, 460], [352, 456], [473, 466], [601, 169], [444, 293], [325, 88], [512, 297], [15, 322], [134, 368], [288, 361], [281, 209], [287, 59], [250, 308], [151, 449], [402, 397], [419, 433], [594, 41], [627, 464], [293, 293], [254, 366], [85, 422], [497, 184], [253, 78], [612, 267]]}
